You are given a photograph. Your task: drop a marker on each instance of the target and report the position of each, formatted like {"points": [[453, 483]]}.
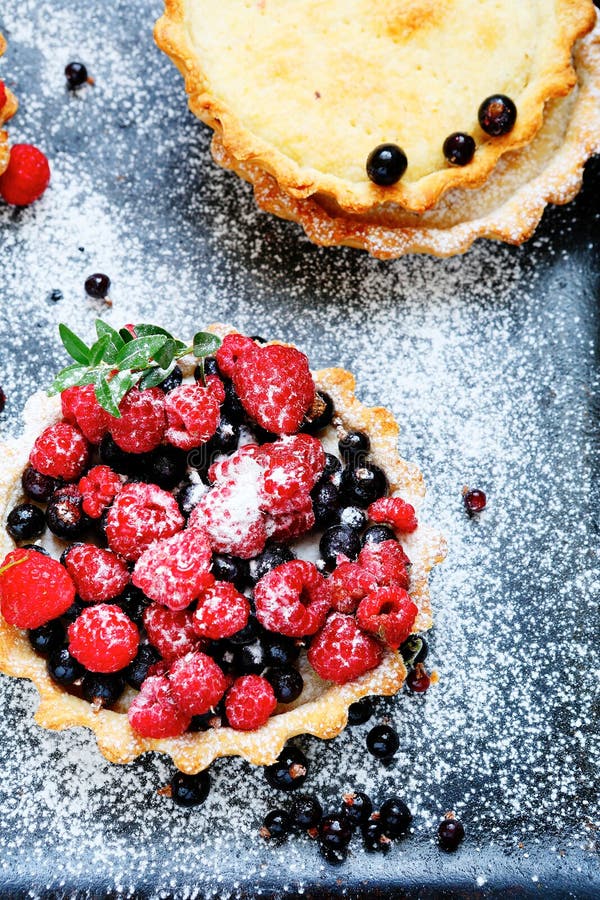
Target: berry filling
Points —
{"points": [[188, 498]]}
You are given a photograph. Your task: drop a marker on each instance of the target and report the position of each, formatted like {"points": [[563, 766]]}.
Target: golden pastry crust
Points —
{"points": [[6, 113], [507, 208], [322, 709], [259, 129]]}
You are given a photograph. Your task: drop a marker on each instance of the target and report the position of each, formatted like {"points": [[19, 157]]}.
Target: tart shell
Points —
{"points": [[556, 78], [507, 208], [6, 113], [322, 709]]}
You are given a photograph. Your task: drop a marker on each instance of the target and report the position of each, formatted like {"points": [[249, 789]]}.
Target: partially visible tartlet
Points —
{"points": [[306, 91], [8, 107], [343, 596]]}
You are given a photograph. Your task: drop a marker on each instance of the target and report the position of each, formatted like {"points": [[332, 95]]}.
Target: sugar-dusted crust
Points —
{"points": [[6, 113], [322, 710], [507, 208], [271, 115]]}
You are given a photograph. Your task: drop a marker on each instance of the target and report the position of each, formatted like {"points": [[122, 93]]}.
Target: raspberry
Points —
{"points": [[80, 407], [230, 516], [172, 633], [103, 639], [154, 712], [232, 467], [233, 347], [292, 466], [60, 451], [394, 511], [197, 683], [288, 526], [387, 563], [27, 175], [141, 514], [193, 414], [275, 386], [143, 421], [389, 613], [341, 652], [99, 575], [175, 571], [349, 583], [221, 612], [99, 488], [292, 599], [249, 703], [34, 589]]}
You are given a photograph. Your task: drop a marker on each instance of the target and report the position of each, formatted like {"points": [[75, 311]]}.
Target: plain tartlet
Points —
{"points": [[322, 709]]}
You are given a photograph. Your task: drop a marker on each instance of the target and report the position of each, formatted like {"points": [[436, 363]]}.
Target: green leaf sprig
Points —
{"points": [[119, 360]]}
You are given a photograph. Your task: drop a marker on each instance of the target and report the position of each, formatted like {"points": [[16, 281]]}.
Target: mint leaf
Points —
{"points": [[125, 335], [116, 342], [74, 346], [105, 398], [205, 344], [138, 353], [67, 378], [166, 355], [153, 377], [145, 330], [98, 350]]}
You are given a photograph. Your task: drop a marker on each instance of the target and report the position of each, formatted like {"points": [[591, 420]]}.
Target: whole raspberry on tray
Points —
{"points": [[249, 703], [193, 413], [26, 177], [389, 613], [170, 631], [293, 599], [394, 511]]}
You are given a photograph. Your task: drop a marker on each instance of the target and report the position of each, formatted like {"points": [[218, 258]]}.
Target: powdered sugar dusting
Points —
{"points": [[488, 364]]}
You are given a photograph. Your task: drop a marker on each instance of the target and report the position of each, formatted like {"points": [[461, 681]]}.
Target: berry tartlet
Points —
{"points": [[357, 120], [207, 549]]}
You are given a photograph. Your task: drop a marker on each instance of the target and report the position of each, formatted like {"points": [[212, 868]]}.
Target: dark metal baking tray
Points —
{"points": [[490, 362]]}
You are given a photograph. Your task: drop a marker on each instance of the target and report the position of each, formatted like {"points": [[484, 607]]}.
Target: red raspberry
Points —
{"points": [[232, 467], [292, 599], [141, 514], [287, 526], [99, 488], [275, 386], [197, 683], [249, 703], [172, 633], [394, 511], [99, 575], [341, 652], [193, 414], [154, 712], [292, 465], [233, 347], [389, 613], [60, 451], [80, 407], [143, 421], [221, 612], [26, 177], [175, 571], [33, 589], [349, 583], [230, 516], [103, 639], [387, 562]]}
